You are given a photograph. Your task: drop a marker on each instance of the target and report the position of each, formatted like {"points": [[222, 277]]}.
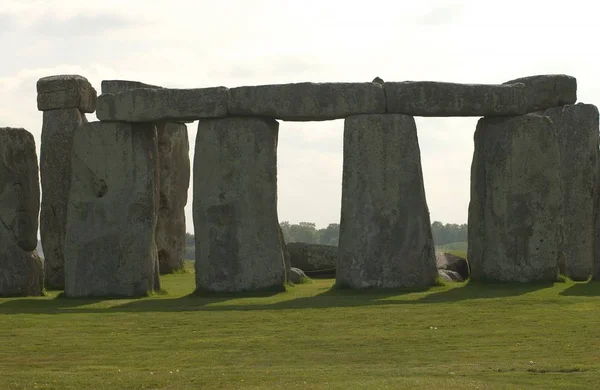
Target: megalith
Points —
{"points": [[596, 274], [238, 245], [174, 173], [64, 99], [577, 133], [21, 270], [110, 247], [515, 212], [385, 232]]}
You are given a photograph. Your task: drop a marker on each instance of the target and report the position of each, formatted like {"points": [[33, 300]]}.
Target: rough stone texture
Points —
{"points": [[58, 129], [522, 96], [110, 247], [296, 276], [235, 206], [545, 91], [450, 262], [385, 231], [163, 105], [66, 91], [596, 275], [515, 215], [312, 257], [450, 276], [174, 173], [307, 101], [20, 267], [117, 86], [577, 130], [286, 253]]}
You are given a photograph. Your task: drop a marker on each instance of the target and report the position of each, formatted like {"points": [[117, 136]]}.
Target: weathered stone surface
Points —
{"points": [[174, 173], [448, 261], [58, 129], [596, 275], [515, 212], [117, 86], [546, 91], [163, 105], [450, 276], [66, 91], [522, 96], [307, 101], [235, 206], [286, 253], [296, 276], [312, 257], [20, 267], [110, 247], [577, 131], [385, 231]]}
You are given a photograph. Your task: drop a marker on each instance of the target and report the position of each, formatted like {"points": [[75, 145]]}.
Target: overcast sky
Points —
{"points": [[193, 44]]}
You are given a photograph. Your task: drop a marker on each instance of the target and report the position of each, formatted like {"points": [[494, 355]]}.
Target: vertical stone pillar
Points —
{"points": [[64, 99], [385, 230], [596, 274], [577, 131], [515, 212], [21, 270], [174, 173], [110, 247], [238, 246]]}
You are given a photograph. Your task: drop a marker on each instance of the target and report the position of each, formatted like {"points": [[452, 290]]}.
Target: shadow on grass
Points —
{"points": [[585, 289], [329, 298]]}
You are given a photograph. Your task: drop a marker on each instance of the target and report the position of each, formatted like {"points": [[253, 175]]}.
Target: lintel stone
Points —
{"points": [[66, 91]]}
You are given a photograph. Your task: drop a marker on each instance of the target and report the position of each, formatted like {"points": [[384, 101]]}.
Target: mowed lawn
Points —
{"points": [[458, 336]]}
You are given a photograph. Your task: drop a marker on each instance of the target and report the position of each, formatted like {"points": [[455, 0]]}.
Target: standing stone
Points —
{"points": [[577, 131], [174, 173], [286, 254], [58, 130], [110, 247], [596, 275], [385, 232], [238, 246], [515, 212], [20, 266]]}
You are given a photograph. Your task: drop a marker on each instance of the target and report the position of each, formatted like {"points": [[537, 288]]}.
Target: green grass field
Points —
{"points": [[459, 336]]}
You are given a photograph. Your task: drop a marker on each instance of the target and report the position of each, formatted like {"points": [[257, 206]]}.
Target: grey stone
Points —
{"points": [[448, 261], [307, 101], [174, 173], [296, 276], [58, 129], [66, 91], [449, 276], [110, 247], [596, 274], [313, 257], [522, 96], [117, 86], [577, 131], [546, 91], [20, 266], [286, 253], [235, 206], [515, 212], [163, 105], [385, 231]]}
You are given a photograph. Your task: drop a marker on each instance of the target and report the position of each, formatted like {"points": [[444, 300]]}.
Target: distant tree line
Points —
{"points": [[308, 233]]}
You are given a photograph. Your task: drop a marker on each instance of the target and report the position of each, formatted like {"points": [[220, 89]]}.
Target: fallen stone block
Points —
{"points": [[66, 91], [313, 257], [448, 261], [307, 101], [515, 212], [517, 97], [58, 129], [385, 231], [21, 271], [163, 105], [110, 247], [235, 206]]}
